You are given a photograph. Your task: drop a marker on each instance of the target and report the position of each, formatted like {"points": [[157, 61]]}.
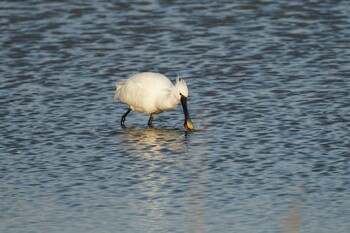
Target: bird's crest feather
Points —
{"points": [[181, 86]]}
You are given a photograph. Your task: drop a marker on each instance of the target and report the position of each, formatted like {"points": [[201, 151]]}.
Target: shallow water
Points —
{"points": [[269, 97]]}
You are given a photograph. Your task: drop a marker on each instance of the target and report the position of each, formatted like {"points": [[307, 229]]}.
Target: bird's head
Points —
{"points": [[182, 95], [181, 87]]}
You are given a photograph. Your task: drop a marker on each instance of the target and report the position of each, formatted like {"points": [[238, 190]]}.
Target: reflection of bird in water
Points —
{"points": [[153, 141], [292, 222], [153, 93]]}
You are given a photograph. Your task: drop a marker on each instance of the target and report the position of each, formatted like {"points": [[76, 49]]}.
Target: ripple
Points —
{"points": [[269, 95]]}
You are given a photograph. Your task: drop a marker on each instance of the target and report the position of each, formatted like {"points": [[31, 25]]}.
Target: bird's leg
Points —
{"points": [[124, 116], [150, 120]]}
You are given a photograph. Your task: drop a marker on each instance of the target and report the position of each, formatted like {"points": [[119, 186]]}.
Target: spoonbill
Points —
{"points": [[152, 93]]}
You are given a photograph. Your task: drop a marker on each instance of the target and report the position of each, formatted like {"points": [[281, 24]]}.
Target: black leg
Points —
{"points": [[150, 120], [124, 116]]}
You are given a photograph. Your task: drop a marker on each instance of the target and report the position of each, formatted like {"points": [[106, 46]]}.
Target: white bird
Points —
{"points": [[153, 93]]}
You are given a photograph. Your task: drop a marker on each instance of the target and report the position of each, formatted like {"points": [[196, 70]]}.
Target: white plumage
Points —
{"points": [[153, 93]]}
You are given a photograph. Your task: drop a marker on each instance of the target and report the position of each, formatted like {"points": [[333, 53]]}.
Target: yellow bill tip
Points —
{"points": [[189, 125]]}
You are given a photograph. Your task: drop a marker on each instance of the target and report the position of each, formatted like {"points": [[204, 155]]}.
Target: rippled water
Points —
{"points": [[269, 97]]}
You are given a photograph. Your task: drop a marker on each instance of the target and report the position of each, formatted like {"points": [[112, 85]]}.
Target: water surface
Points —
{"points": [[269, 97]]}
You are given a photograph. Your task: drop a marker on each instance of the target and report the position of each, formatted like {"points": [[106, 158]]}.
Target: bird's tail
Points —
{"points": [[118, 87]]}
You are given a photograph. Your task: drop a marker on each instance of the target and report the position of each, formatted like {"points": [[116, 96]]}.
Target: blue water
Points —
{"points": [[269, 97]]}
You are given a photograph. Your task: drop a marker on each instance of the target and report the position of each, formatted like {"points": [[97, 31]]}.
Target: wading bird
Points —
{"points": [[152, 93]]}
